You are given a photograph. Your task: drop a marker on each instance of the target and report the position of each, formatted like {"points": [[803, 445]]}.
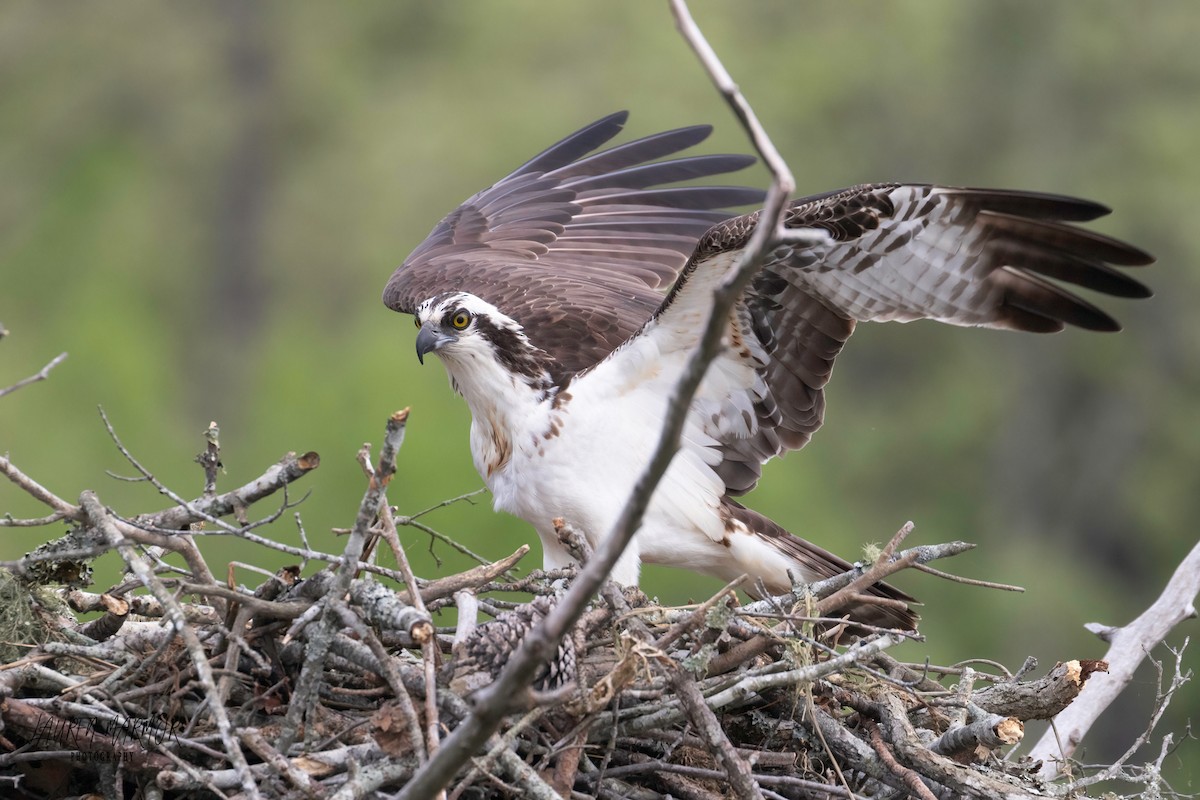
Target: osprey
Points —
{"points": [[543, 297]]}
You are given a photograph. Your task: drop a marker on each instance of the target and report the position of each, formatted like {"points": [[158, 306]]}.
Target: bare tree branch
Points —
{"points": [[1129, 646]]}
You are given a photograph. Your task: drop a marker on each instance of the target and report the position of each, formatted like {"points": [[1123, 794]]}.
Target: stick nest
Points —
{"points": [[334, 678]]}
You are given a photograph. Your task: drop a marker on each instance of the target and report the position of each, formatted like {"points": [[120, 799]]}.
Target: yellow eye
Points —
{"points": [[460, 320], [416, 321]]}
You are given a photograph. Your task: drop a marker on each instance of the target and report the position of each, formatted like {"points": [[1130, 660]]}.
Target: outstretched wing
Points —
{"points": [[573, 246], [894, 252]]}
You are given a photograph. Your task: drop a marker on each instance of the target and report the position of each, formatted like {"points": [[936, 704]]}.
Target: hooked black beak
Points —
{"points": [[430, 338]]}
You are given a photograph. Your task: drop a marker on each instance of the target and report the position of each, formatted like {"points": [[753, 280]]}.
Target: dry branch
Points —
{"points": [[40, 375], [1040, 699], [288, 470], [1131, 644]]}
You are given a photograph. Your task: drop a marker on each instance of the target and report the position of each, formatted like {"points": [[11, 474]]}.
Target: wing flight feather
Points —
{"points": [[575, 246], [899, 252]]}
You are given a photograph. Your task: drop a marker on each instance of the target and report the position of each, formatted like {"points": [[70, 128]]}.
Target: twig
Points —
{"points": [[911, 779], [462, 497], [940, 770], [697, 614], [770, 227], [468, 617], [9, 521], [210, 459], [789, 781], [838, 591], [937, 573], [40, 375], [388, 670], [436, 535], [856, 579], [61, 507], [472, 578], [884, 566], [859, 653], [262, 748], [162, 488], [288, 470], [962, 697]]}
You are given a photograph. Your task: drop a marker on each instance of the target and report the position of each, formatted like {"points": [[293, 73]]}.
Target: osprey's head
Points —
{"points": [[458, 326], [450, 325], [467, 333]]}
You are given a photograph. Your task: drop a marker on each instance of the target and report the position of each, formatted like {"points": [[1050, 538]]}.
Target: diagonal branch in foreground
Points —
{"points": [[321, 634], [493, 703]]}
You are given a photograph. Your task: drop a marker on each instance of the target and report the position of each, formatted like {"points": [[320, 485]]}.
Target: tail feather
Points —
{"points": [[812, 563]]}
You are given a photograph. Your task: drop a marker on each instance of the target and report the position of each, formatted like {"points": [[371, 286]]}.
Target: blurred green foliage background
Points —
{"points": [[201, 203]]}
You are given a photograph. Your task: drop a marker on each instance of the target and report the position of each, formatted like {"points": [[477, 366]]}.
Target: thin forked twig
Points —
{"points": [[937, 573], [461, 498], [40, 375]]}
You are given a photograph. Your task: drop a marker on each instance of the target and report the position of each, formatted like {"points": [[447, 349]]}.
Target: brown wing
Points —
{"points": [[574, 246], [903, 252]]}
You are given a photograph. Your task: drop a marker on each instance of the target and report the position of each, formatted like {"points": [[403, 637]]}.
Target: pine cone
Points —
{"points": [[493, 643]]}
